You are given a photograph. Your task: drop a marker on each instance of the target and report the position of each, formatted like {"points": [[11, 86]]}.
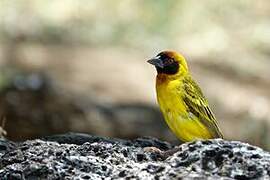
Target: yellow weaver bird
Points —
{"points": [[181, 100]]}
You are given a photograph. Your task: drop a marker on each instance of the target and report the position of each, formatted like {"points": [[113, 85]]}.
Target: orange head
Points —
{"points": [[170, 64]]}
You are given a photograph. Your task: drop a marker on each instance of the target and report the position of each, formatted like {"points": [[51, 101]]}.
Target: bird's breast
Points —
{"points": [[169, 95]]}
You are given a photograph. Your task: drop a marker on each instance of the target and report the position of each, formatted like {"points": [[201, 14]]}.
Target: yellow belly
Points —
{"points": [[185, 125]]}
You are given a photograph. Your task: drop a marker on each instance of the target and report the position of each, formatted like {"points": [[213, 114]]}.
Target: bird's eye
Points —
{"points": [[171, 60], [168, 61]]}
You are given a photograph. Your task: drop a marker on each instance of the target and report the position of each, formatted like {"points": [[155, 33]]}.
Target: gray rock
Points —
{"points": [[81, 156]]}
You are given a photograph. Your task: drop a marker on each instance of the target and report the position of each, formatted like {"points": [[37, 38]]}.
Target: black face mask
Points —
{"points": [[165, 64]]}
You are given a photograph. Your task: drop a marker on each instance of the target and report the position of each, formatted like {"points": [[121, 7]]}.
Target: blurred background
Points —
{"points": [[80, 66]]}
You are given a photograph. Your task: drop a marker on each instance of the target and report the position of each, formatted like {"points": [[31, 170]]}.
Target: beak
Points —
{"points": [[156, 62]]}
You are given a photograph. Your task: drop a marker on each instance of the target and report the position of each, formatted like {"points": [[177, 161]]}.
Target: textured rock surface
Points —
{"points": [[90, 157]]}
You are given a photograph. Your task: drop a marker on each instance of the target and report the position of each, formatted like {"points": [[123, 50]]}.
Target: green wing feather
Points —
{"points": [[197, 104]]}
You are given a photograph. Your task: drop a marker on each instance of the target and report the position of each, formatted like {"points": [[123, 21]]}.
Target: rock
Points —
{"points": [[90, 157]]}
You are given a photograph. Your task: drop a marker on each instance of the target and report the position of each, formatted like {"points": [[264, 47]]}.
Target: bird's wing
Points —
{"points": [[198, 105]]}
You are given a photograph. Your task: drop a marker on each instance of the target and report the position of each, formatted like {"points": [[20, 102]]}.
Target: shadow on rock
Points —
{"points": [[35, 107]]}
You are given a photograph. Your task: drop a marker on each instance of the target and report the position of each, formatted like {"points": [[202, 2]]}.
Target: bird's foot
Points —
{"points": [[163, 154]]}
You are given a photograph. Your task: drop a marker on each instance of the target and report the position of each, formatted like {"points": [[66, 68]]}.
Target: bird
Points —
{"points": [[181, 101]]}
